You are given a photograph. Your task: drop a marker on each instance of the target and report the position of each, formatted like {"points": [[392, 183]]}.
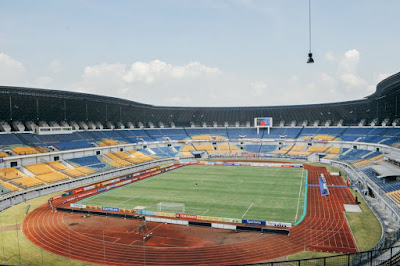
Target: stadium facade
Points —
{"points": [[27, 104]]}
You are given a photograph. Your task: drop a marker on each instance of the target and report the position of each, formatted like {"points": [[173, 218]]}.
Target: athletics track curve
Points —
{"points": [[324, 228]]}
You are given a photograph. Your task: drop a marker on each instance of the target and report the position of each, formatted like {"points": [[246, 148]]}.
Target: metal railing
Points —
{"points": [[389, 256]]}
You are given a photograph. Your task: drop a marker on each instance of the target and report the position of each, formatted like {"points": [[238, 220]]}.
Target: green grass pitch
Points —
{"points": [[244, 192]]}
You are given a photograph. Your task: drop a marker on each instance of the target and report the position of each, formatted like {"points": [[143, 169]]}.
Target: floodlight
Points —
{"points": [[310, 59]]}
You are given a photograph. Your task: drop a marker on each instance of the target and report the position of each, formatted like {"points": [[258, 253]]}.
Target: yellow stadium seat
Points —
{"points": [[205, 147], [202, 137], [324, 137], [187, 148], [58, 166], [85, 170], [10, 173], [330, 156], [284, 150], [51, 177], [25, 150], [9, 186], [395, 195], [224, 148], [298, 148], [73, 172], [376, 158], [317, 149], [27, 182], [108, 142], [4, 154], [140, 157], [124, 156], [333, 150], [117, 160], [361, 163], [39, 168], [299, 153]]}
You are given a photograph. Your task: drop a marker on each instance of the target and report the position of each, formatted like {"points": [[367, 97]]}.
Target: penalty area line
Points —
{"points": [[247, 209], [125, 201]]}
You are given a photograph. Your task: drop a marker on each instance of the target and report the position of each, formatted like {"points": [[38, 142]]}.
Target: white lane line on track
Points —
{"points": [[248, 209]]}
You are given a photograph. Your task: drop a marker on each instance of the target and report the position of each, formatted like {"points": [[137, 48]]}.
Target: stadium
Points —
{"points": [[94, 179]]}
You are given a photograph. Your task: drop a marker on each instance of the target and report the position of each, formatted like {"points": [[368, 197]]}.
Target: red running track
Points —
{"points": [[324, 228]]}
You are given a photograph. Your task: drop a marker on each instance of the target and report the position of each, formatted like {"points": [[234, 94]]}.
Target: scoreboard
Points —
{"points": [[263, 122]]}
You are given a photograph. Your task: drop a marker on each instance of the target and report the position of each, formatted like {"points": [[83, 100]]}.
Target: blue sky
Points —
{"points": [[203, 53]]}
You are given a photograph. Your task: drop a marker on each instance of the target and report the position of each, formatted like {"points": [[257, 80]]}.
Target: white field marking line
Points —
{"points": [[298, 201], [248, 209], [126, 200], [205, 212]]}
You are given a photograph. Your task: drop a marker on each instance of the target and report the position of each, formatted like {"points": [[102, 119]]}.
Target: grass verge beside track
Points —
{"points": [[30, 254]]}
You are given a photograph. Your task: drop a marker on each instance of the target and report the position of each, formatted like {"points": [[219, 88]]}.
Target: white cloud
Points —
{"points": [[353, 81], [154, 82], [12, 72], [349, 61], [349, 83], [157, 70], [56, 66], [101, 79]]}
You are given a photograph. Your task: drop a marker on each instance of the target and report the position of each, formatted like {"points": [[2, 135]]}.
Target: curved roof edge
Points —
{"points": [[387, 86], [69, 95], [115, 100]]}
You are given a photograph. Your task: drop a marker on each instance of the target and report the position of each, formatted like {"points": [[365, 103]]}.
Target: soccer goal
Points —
{"points": [[171, 207]]}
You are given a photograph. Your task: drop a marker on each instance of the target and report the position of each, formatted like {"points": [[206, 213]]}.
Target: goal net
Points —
{"points": [[171, 207]]}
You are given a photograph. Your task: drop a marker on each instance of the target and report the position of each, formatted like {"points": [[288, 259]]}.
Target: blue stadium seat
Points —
{"points": [[252, 148], [237, 133], [268, 148], [89, 161], [354, 155], [385, 184], [9, 139], [70, 145]]}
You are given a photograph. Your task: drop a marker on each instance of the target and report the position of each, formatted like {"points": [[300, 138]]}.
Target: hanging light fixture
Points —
{"points": [[310, 59]]}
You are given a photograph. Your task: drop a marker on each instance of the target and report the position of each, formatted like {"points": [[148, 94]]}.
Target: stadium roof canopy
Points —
{"points": [[29, 104], [386, 171]]}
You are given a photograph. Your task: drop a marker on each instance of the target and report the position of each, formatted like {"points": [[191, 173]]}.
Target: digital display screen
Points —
{"points": [[263, 122]]}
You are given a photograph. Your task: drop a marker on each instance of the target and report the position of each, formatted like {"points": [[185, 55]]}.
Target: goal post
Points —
{"points": [[172, 207]]}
